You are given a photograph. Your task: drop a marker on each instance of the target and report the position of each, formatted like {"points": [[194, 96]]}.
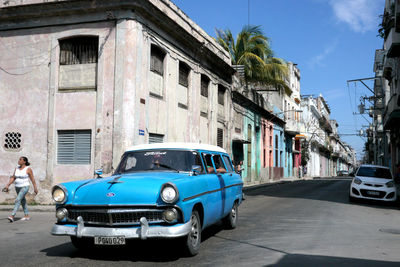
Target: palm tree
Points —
{"points": [[252, 50]]}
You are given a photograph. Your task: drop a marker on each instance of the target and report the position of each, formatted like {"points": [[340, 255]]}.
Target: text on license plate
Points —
{"points": [[373, 193], [109, 240]]}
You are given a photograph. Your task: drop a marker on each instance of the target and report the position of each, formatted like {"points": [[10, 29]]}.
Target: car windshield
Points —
{"points": [[159, 160], [375, 172]]}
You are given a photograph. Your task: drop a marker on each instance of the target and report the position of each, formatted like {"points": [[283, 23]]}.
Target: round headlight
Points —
{"points": [[170, 215], [61, 214], [59, 195], [169, 194]]}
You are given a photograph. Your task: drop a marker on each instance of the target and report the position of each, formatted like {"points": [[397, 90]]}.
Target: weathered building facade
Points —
{"points": [[84, 80]]}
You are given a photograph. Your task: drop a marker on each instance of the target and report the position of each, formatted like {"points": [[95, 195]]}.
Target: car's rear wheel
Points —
{"points": [[230, 221], [193, 239]]}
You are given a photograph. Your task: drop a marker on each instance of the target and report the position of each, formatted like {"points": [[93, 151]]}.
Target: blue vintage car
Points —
{"points": [[169, 190]]}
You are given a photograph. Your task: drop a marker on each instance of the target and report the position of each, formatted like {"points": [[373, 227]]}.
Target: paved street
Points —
{"points": [[303, 223]]}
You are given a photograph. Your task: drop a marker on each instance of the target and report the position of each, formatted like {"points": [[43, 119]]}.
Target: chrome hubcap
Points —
{"points": [[194, 233], [233, 213]]}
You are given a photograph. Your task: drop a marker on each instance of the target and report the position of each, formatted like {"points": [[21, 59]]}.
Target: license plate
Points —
{"points": [[373, 193], [109, 240]]}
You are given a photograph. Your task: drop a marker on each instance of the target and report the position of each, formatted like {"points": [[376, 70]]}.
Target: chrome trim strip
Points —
{"points": [[209, 192], [172, 231]]}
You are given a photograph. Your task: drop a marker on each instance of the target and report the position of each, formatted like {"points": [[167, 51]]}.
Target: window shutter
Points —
{"points": [[204, 85], [184, 74], [220, 137], [74, 147], [156, 138]]}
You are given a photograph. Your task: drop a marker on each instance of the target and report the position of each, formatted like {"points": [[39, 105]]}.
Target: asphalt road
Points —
{"points": [[304, 223]]}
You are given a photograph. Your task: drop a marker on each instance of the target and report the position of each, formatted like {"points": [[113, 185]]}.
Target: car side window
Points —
{"points": [[208, 162], [199, 163], [228, 163], [219, 165]]}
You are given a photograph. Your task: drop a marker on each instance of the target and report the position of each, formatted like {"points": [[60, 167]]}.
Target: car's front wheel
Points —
{"points": [[193, 239], [230, 221]]}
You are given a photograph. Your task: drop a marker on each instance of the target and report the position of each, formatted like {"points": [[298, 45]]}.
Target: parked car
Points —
{"points": [[343, 173], [373, 182], [169, 190]]}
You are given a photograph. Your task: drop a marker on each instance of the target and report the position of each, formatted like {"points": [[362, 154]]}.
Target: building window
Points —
{"points": [[74, 146], [221, 94], [220, 137], [79, 50], [156, 138], [78, 63], [205, 81], [184, 71], [157, 60], [12, 141]]}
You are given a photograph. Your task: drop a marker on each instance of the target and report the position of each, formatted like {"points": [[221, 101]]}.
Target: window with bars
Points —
{"points": [[220, 137], [157, 60], [12, 141], [221, 94], [184, 71], [156, 138], [205, 81], [74, 146], [79, 50]]}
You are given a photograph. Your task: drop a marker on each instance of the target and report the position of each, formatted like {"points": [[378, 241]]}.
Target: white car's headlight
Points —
{"points": [[59, 194], [390, 184], [357, 181], [169, 193]]}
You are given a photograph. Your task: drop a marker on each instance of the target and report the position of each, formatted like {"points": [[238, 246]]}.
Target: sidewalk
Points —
{"points": [[51, 208]]}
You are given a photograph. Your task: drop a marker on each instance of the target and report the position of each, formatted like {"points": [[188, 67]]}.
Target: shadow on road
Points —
{"points": [[333, 190], [290, 259], [160, 250]]}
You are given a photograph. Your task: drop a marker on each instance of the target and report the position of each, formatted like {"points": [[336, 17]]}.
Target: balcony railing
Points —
{"points": [[393, 43]]}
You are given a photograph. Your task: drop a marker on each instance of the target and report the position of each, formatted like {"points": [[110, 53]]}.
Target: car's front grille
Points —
{"points": [[372, 193], [115, 216], [374, 185]]}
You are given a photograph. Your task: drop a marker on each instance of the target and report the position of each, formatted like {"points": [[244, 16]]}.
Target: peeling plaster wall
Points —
{"points": [[37, 109]]}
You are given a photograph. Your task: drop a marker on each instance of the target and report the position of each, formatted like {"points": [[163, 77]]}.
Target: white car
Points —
{"points": [[373, 182]]}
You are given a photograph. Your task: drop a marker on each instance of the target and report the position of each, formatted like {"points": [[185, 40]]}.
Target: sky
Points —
{"points": [[332, 41]]}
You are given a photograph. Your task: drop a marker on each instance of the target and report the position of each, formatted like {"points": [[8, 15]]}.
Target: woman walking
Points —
{"points": [[22, 174]]}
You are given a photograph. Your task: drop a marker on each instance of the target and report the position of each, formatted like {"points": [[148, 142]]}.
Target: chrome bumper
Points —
{"points": [[142, 232]]}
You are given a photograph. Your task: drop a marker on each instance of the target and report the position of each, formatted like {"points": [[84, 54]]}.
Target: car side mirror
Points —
{"points": [[351, 174], [196, 169], [98, 172]]}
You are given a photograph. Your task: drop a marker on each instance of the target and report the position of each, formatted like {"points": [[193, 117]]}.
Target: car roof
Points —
{"points": [[374, 166], [177, 145]]}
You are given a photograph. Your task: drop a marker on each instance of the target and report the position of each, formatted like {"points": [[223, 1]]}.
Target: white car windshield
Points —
{"points": [[374, 172], [159, 160]]}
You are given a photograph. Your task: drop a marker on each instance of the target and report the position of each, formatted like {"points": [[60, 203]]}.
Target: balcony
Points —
{"points": [[393, 43], [292, 127], [392, 113]]}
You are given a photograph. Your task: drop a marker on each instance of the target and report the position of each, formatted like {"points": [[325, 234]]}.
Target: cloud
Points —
{"points": [[318, 59], [360, 15]]}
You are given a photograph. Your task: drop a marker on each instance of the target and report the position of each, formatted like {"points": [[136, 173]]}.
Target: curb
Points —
{"points": [[35, 208]]}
